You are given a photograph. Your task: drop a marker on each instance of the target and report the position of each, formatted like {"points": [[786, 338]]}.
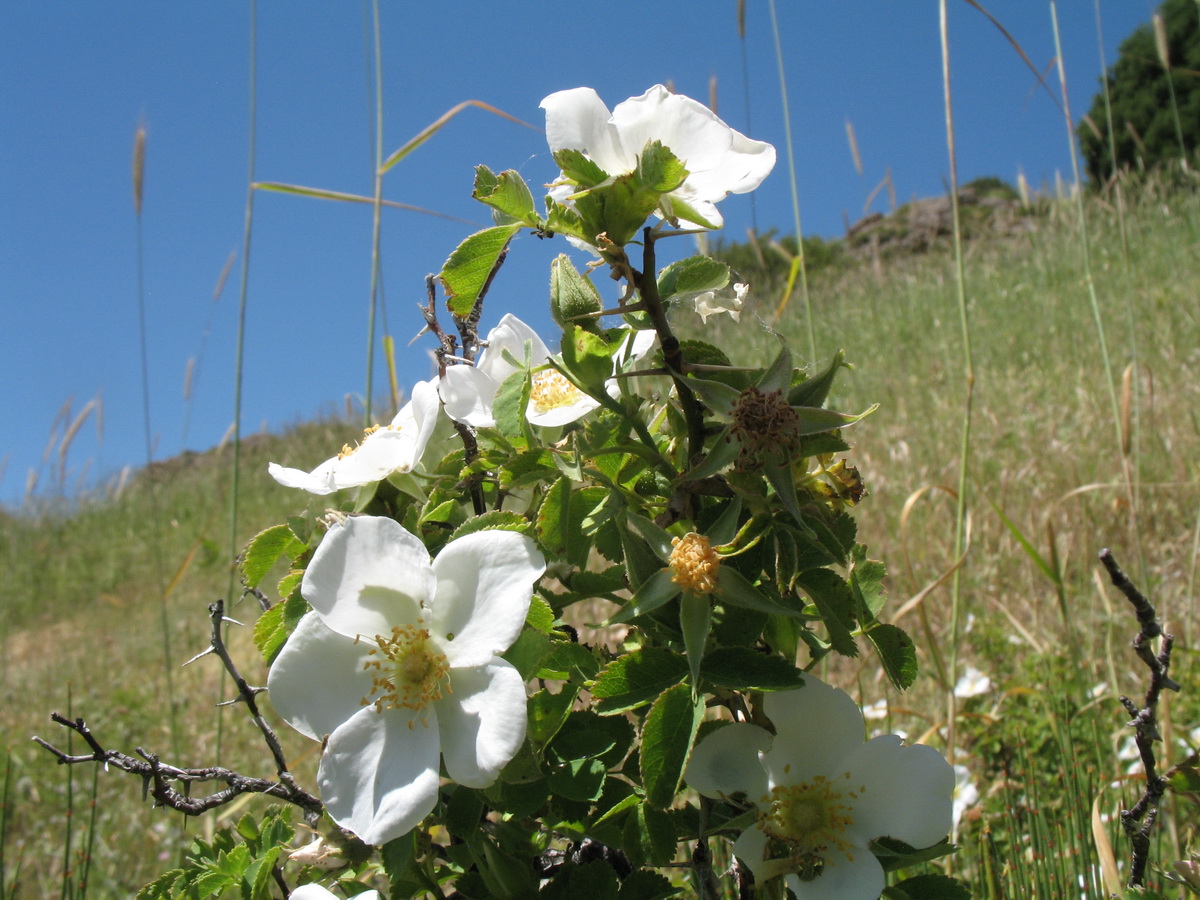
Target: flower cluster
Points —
{"points": [[423, 620]]}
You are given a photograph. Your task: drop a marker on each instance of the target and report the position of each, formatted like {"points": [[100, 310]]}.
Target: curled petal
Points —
{"points": [[482, 721], [467, 394], [368, 575], [379, 773], [484, 585], [319, 481], [687, 128], [317, 681]]}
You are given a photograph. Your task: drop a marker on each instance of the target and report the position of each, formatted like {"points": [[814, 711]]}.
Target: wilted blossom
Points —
{"points": [[398, 666], [728, 299], [822, 794], [384, 450], [719, 160]]}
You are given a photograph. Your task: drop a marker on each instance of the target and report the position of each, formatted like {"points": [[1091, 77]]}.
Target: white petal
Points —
{"points": [[317, 681], [689, 129], [318, 481], [368, 575], [468, 394], [816, 727], [562, 415], [316, 892], [742, 169], [508, 339], [907, 791], [484, 585], [419, 416], [379, 774], [482, 720], [726, 762], [578, 120], [855, 877], [379, 455]]}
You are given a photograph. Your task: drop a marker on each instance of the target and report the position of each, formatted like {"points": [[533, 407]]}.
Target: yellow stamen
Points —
{"points": [[694, 563], [551, 390], [409, 670], [805, 820]]}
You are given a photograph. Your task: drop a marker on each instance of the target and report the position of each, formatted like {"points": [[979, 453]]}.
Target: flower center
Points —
{"points": [[694, 563], [347, 449], [551, 390], [407, 670], [765, 425], [805, 820]]}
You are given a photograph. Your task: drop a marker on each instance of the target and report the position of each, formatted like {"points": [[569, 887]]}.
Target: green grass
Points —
{"points": [[80, 598]]}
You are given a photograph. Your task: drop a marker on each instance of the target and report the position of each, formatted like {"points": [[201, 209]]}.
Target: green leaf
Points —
{"points": [[660, 170], [273, 627], [1185, 779], [595, 880], [587, 357], [642, 884], [649, 837], [548, 711], [470, 266], [578, 779], [464, 812], [815, 390], [265, 549], [667, 736], [897, 652], [510, 403], [744, 669], [695, 622], [554, 519], [894, 854], [576, 167], [735, 590], [866, 581], [654, 592], [691, 276], [636, 679], [506, 193], [494, 520], [931, 887], [540, 615], [831, 595], [572, 295]]}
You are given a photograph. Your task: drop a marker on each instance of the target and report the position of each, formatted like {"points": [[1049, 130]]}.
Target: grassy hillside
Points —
{"points": [[1054, 475]]}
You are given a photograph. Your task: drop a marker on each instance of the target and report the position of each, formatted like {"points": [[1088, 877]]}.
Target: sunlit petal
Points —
{"points": [[802, 749], [907, 791], [379, 773], [482, 720], [484, 585], [367, 576], [317, 680]]}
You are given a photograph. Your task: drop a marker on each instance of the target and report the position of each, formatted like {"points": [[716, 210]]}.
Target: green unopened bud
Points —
{"points": [[574, 300]]}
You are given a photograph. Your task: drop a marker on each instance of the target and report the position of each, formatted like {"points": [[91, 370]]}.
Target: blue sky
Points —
{"points": [[76, 79]]}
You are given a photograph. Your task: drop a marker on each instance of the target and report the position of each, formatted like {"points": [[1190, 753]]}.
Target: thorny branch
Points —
{"points": [[469, 328], [1138, 821], [162, 780]]}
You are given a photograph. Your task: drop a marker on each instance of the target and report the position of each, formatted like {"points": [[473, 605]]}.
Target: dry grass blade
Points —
{"points": [[139, 167], [69, 435], [1108, 860], [432, 129], [322, 194], [858, 167], [1016, 46]]}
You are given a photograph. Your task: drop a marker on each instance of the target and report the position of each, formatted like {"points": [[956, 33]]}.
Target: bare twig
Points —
{"points": [[1139, 820], [159, 778]]}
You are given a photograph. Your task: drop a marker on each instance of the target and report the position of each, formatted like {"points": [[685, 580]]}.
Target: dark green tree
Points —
{"points": [[1145, 129]]}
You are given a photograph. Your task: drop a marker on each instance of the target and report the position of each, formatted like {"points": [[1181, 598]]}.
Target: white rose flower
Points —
{"points": [[719, 160], [396, 447], [822, 794], [398, 664]]}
